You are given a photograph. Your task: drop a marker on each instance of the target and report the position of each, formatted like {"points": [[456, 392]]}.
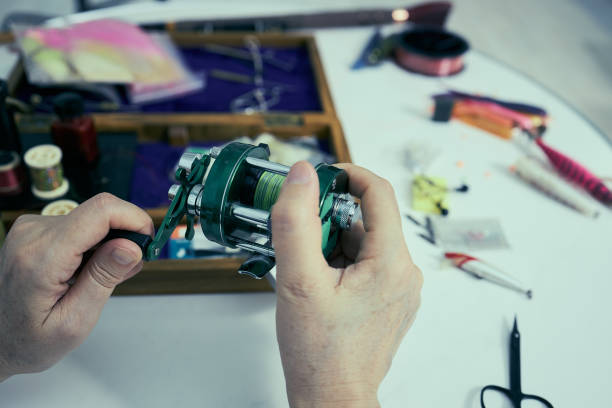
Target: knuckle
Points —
{"points": [[386, 186], [23, 223], [102, 200], [410, 276], [415, 275], [420, 278], [103, 275], [22, 219]]}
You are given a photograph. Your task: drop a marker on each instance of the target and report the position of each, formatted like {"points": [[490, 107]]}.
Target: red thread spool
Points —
{"points": [[431, 51], [11, 174]]}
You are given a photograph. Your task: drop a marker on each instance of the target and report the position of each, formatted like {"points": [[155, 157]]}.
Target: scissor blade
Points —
{"points": [[515, 359]]}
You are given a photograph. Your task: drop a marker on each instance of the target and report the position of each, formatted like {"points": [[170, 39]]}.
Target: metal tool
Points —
{"points": [[232, 190], [261, 98], [267, 57], [231, 76], [514, 393]]}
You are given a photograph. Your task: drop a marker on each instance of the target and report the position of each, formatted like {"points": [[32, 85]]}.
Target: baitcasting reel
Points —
{"points": [[232, 190]]}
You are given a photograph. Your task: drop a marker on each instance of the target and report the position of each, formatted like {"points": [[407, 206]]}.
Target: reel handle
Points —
{"points": [[142, 240]]}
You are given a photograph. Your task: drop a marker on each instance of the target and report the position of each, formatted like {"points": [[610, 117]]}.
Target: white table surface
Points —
{"points": [[221, 350]]}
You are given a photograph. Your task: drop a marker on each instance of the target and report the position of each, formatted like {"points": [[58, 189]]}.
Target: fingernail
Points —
{"points": [[123, 257], [299, 174]]}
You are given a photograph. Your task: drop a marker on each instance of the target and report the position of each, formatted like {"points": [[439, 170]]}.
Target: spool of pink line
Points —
{"points": [[431, 51]]}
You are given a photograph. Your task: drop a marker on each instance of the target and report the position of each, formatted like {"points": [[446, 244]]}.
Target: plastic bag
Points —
{"points": [[106, 51]]}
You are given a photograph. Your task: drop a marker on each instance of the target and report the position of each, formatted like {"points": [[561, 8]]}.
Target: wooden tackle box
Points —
{"points": [[204, 275]]}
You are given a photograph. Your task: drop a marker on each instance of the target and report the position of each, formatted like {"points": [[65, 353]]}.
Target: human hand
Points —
{"points": [[48, 305], [340, 324]]}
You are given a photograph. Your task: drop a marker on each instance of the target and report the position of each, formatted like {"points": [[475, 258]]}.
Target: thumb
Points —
{"points": [[296, 227], [111, 264]]}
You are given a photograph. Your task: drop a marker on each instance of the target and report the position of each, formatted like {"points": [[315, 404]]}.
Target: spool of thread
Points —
{"points": [[46, 172], [74, 132], [11, 174], [431, 51], [267, 190], [2, 231], [59, 207]]}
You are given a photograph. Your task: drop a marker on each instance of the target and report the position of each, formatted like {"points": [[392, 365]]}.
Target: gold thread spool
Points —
{"points": [[45, 165], [59, 207]]}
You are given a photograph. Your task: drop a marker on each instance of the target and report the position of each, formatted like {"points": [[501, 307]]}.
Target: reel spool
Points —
{"points": [[232, 190]]}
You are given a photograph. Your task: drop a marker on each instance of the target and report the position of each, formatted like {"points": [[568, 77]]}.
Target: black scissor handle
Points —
{"points": [[539, 399], [142, 240], [516, 399], [497, 388]]}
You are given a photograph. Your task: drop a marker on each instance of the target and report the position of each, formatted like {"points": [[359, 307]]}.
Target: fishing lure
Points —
{"points": [[492, 115], [502, 118], [576, 173], [483, 270]]}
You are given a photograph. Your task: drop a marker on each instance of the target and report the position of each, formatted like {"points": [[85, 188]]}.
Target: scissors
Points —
{"points": [[260, 99], [514, 393]]}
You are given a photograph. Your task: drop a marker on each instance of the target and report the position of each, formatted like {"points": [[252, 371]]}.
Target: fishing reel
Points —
{"points": [[231, 190]]}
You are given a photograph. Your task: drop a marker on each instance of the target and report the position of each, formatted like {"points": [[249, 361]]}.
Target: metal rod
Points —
{"points": [[257, 248], [252, 216], [269, 166]]}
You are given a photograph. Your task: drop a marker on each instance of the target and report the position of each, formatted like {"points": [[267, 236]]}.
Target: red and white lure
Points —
{"points": [[483, 270]]}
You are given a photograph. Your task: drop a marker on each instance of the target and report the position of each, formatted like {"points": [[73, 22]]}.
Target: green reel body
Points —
{"points": [[222, 188], [232, 191]]}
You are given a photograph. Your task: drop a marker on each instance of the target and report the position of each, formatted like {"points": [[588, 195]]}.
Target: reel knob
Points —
{"points": [[346, 212], [194, 200], [187, 160]]}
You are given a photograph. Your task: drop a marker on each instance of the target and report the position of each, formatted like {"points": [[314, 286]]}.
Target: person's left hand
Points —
{"points": [[48, 303]]}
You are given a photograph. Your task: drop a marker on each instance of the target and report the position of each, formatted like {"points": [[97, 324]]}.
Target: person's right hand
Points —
{"points": [[340, 324]]}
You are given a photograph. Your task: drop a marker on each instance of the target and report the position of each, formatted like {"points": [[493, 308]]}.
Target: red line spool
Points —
{"points": [[11, 174], [431, 51]]}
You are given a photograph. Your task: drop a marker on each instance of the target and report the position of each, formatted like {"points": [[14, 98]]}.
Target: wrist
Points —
{"points": [[334, 404], [337, 396]]}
